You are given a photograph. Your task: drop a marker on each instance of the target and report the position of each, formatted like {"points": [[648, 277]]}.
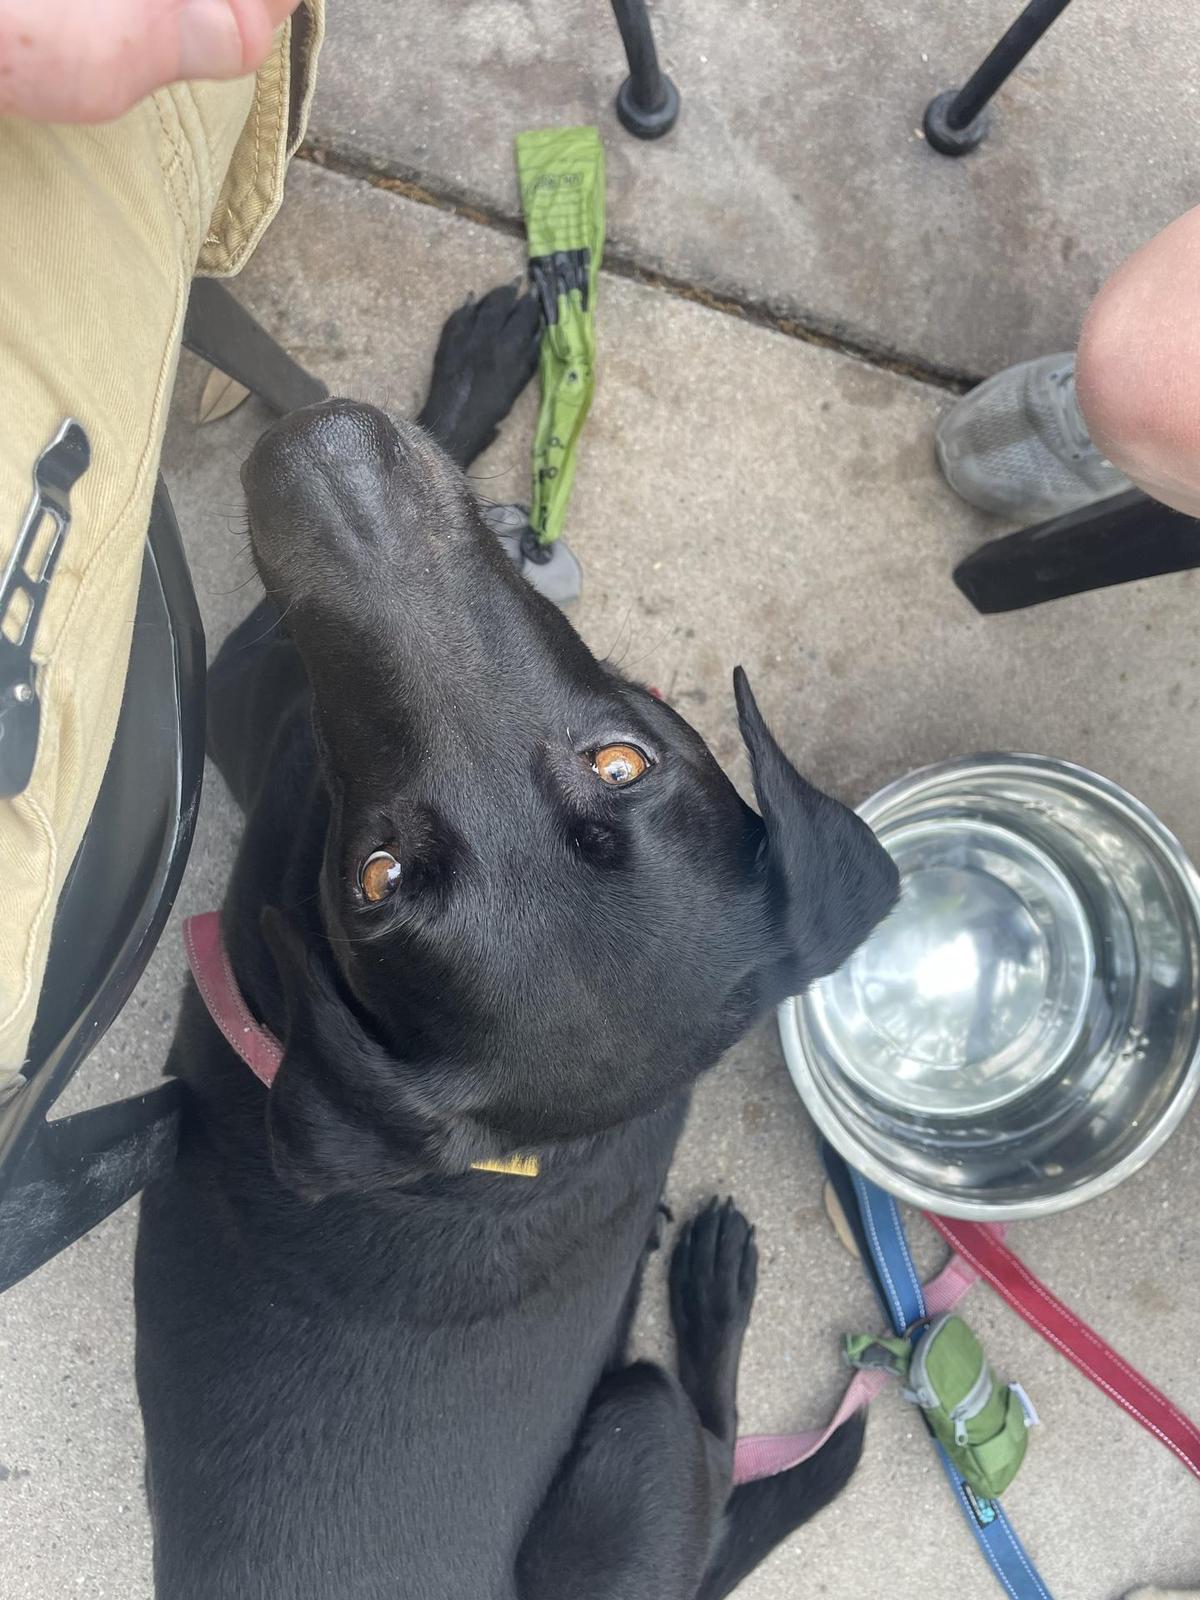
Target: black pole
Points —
{"points": [[647, 102], [954, 119]]}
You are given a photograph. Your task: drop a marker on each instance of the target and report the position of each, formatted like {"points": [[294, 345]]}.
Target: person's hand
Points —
{"points": [[90, 60]]}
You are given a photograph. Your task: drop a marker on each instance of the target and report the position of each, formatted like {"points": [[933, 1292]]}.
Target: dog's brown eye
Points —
{"points": [[378, 876], [619, 764]]}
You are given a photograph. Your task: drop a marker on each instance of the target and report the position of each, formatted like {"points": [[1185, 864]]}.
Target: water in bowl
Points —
{"points": [[975, 990]]}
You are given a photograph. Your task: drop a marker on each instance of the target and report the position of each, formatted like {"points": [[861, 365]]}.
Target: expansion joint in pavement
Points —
{"points": [[411, 186]]}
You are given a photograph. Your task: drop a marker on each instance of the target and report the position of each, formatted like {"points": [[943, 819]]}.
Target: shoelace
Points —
{"points": [[1070, 417]]}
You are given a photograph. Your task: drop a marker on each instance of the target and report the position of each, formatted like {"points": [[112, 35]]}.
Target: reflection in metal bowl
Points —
{"points": [[1024, 1031]]}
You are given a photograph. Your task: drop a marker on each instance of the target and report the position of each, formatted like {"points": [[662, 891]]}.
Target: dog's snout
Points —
{"points": [[335, 436], [365, 533], [340, 481]]}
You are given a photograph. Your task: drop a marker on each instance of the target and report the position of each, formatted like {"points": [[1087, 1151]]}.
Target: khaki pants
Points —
{"points": [[103, 229]]}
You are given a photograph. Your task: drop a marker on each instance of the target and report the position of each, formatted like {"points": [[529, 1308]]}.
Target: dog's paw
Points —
{"points": [[486, 355], [713, 1274]]}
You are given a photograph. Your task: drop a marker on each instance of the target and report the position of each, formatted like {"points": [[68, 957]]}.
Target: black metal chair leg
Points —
{"points": [[954, 120], [647, 102], [221, 331], [1117, 540], [78, 1170]]}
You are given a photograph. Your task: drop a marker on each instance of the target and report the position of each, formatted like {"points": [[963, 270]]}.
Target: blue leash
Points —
{"points": [[875, 1219]]}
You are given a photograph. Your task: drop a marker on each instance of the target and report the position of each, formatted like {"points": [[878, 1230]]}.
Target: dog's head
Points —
{"points": [[546, 907]]}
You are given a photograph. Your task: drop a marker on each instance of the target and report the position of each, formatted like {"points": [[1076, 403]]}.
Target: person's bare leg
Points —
{"points": [[1138, 366]]}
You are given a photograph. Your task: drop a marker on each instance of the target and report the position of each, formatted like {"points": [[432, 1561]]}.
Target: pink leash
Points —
{"points": [[762, 1455]]}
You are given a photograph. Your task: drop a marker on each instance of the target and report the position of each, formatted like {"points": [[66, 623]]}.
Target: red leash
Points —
{"points": [[1012, 1280]]}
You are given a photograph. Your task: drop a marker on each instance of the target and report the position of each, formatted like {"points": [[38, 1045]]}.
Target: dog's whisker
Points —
{"points": [[668, 631], [349, 940], [608, 654], [250, 577], [250, 643], [628, 666]]}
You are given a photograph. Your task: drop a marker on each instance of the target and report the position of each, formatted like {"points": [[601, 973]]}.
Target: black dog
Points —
{"points": [[494, 898]]}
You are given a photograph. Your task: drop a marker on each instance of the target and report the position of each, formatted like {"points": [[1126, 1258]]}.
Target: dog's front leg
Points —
{"points": [[641, 1508], [486, 355], [632, 1511], [636, 1505]]}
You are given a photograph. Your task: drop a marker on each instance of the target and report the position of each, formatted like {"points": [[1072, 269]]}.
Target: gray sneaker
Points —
{"points": [[1018, 445]]}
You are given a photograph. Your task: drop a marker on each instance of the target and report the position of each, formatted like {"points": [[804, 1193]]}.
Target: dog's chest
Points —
{"points": [[378, 1425]]}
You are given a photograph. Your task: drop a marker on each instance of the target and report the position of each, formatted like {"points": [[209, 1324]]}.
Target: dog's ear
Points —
{"points": [[828, 880], [344, 1115]]}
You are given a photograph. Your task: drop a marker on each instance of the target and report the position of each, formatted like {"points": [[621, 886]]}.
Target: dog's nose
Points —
{"points": [[342, 481], [333, 437]]}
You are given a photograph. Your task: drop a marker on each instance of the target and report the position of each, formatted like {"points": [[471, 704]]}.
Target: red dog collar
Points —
{"points": [[209, 961], [257, 1046]]}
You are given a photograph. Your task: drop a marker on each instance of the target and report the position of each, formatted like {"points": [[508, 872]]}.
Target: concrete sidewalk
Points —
{"points": [[797, 177], [742, 496]]}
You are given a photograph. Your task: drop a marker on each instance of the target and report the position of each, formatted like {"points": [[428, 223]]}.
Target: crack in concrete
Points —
{"points": [[807, 330]]}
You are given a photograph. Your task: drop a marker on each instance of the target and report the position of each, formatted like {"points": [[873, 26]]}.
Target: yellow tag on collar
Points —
{"points": [[513, 1166]]}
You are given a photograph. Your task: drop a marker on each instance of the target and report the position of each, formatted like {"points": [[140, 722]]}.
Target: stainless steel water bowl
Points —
{"points": [[1023, 1032]]}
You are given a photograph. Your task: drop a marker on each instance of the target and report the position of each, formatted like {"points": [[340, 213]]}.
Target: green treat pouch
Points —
{"points": [[981, 1423], [561, 177]]}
